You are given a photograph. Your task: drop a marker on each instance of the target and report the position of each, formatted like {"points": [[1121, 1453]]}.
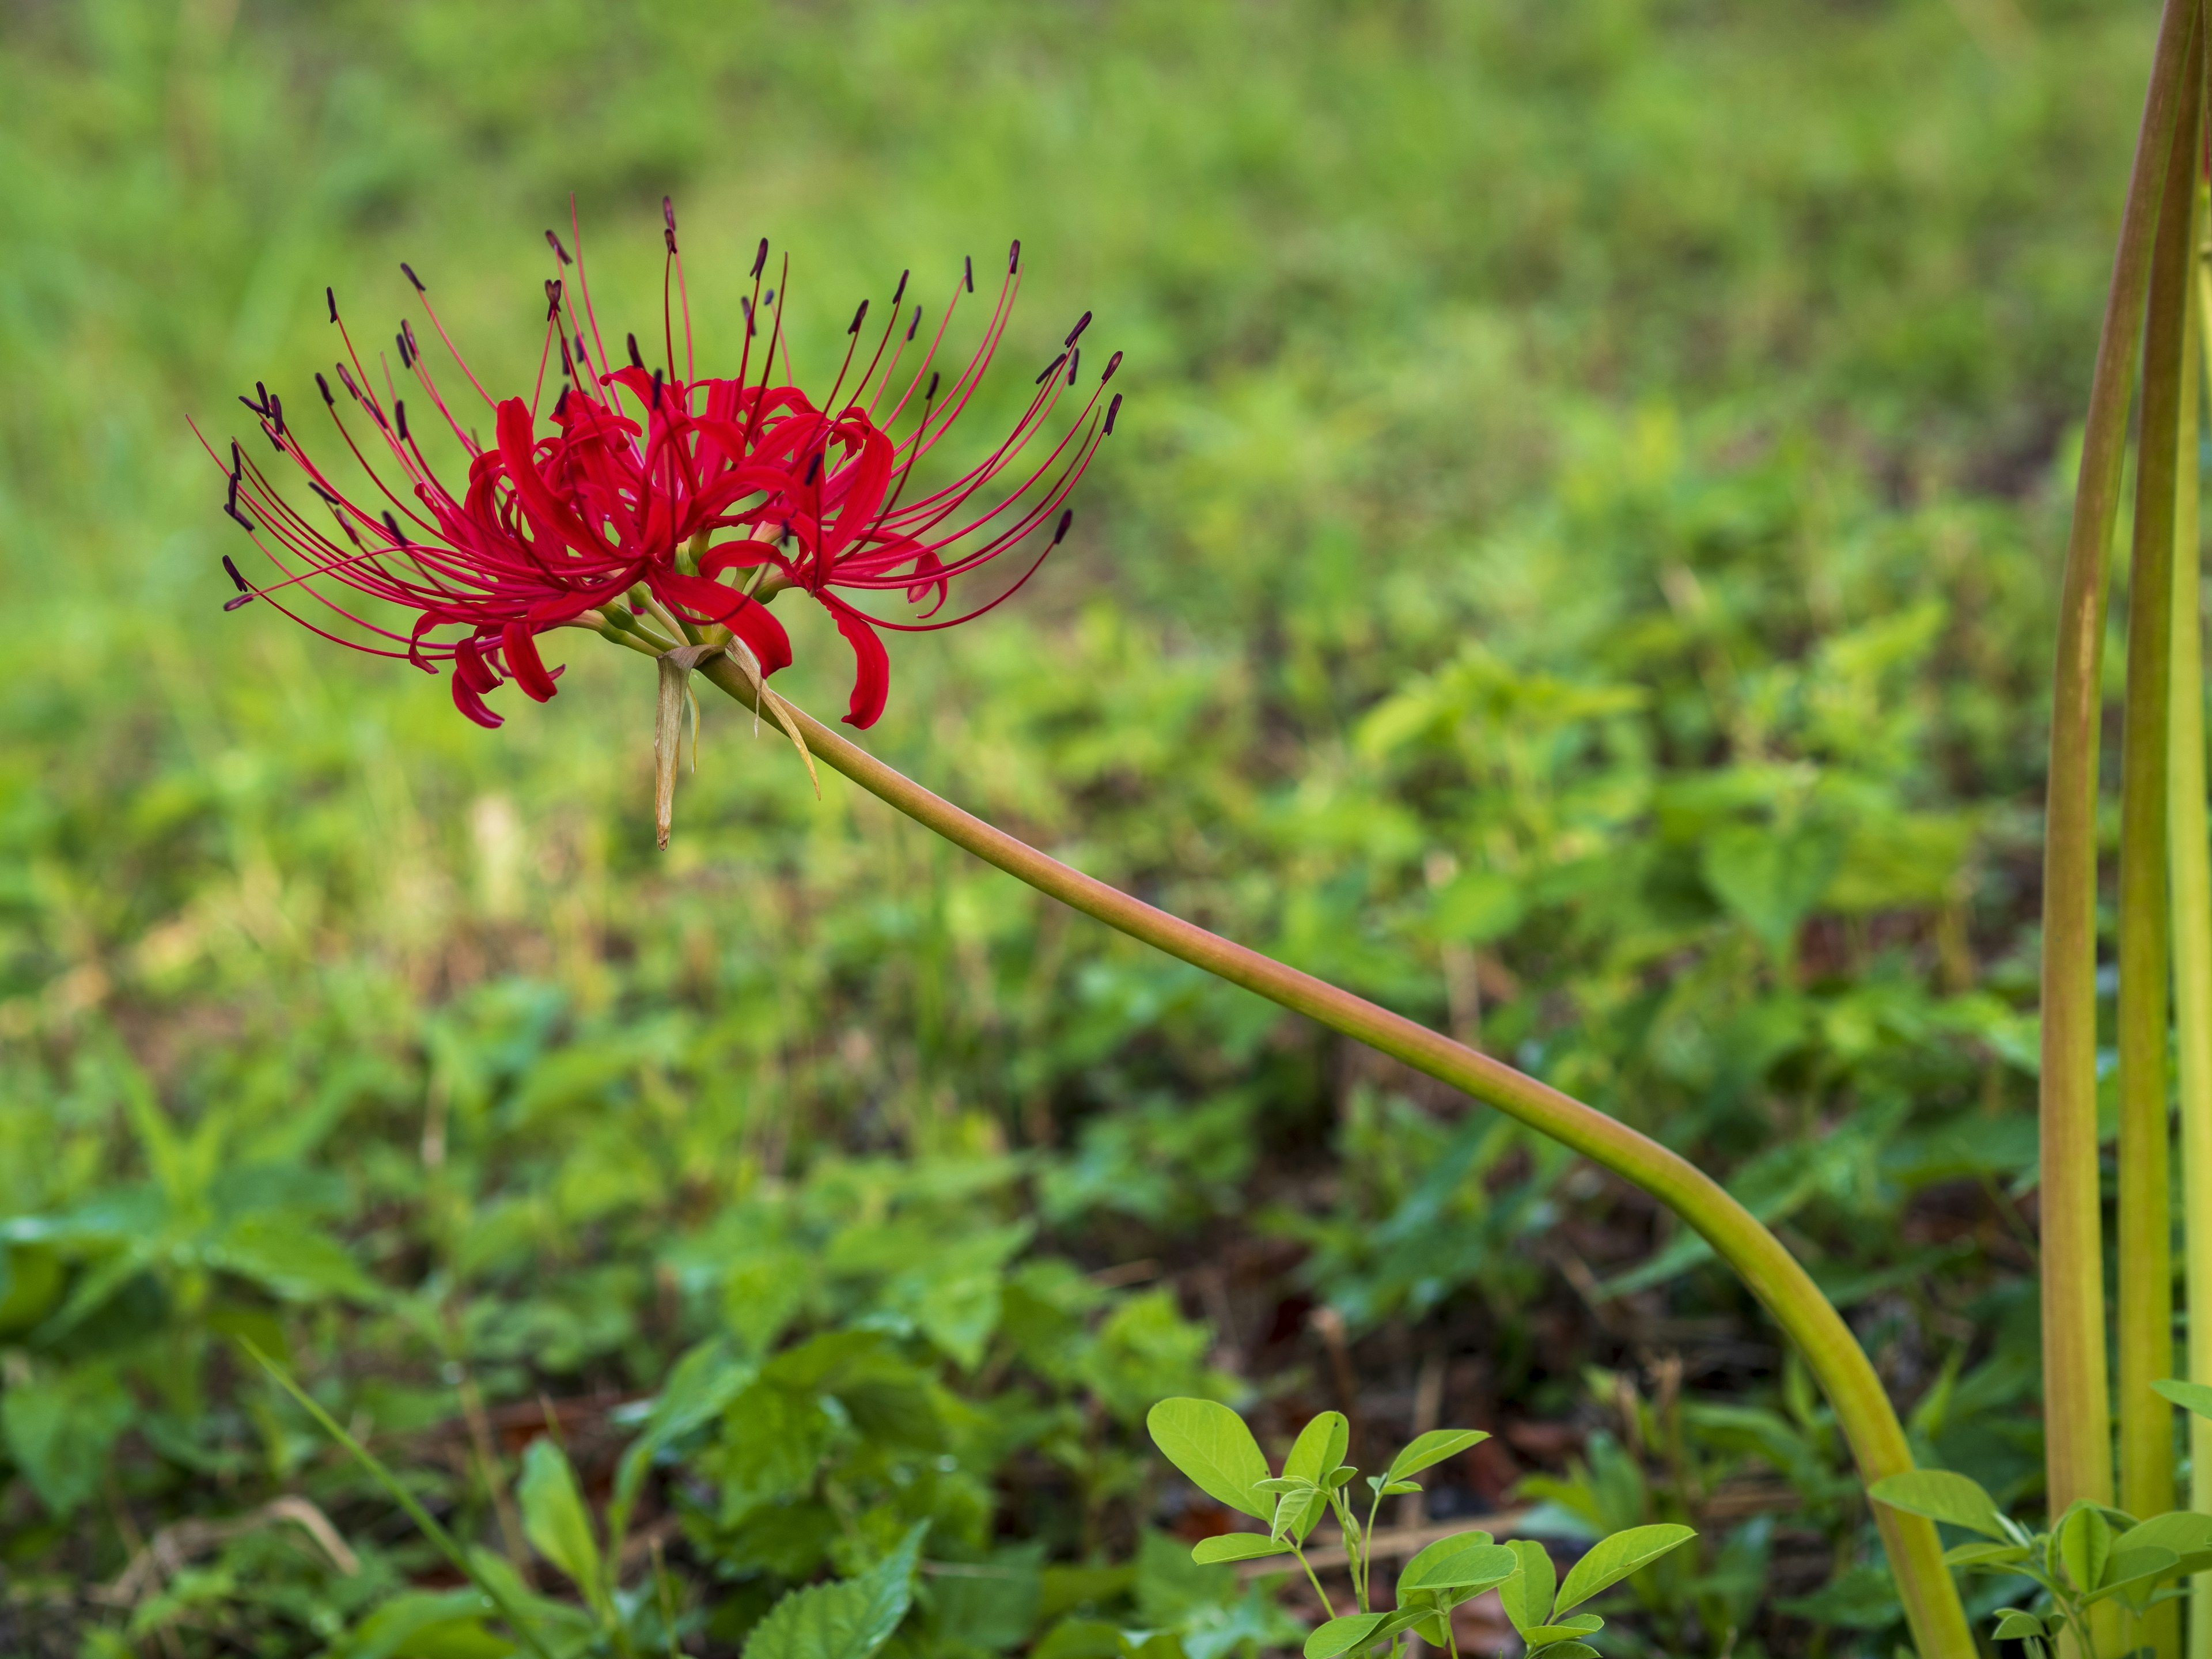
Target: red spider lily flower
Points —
{"points": [[690, 500]]}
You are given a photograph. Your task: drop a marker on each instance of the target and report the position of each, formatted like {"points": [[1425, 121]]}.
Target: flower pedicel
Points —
{"points": [[665, 503]]}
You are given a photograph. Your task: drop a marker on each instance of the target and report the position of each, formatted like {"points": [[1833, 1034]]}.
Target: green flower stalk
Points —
{"points": [[2190, 882], [2145, 1219], [2077, 1407]]}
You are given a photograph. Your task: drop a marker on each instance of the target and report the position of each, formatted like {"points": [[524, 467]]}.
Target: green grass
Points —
{"points": [[1583, 528]]}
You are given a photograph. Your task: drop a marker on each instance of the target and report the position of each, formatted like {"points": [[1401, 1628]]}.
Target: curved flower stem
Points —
{"points": [[2077, 1404], [1775, 1277]]}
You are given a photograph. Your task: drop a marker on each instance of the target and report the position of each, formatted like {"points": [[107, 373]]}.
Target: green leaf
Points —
{"points": [[2014, 1625], [429, 1624], [847, 1620], [1771, 880], [2190, 1397], [2127, 1569], [1316, 1455], [59, 1431], [1583, 1623], [1361, 1629], [1988, 1557], [2185, 1532], [2084, 1545], [1563, 1650], [705, 1379], [1465, 1562], [554, 1518], [1431, 1449], [1941, 1495], [1397, 1488], [1611, 1560], [1526, 1593], [1320, 1447], [294, 1261], [1237, 1546], [1215, 1451], [1342, 1635]]}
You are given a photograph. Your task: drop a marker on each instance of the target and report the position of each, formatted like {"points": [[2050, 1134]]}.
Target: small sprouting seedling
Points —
{"points": [[1213, 1446], [2093, 1554]]}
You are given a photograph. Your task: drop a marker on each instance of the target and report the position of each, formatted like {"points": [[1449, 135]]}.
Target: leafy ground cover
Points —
{"points": [[1576, 565]]}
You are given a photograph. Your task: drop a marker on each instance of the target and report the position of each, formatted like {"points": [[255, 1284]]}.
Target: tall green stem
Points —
{"points": [[2145, 1215], [2189, 853], [2077, 1420], [1775, 1277]]}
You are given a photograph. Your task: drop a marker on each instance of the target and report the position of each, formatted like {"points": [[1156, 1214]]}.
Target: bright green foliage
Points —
{"points": [[1211, 1445], [848, 1620], [2089, 1555]]}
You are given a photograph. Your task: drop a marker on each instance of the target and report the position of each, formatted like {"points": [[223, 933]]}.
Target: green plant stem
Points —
{"points": [[1314, 1578], [1775, 1277], [2145, 1219], [2077, 1422], [2190, 854]]}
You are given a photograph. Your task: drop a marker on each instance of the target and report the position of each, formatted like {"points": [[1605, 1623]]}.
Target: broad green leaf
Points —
{"points": [[59, 1431], [1526, 1593], [1277, 1484], [1471, 1559], [1237, 1546], [2014, 1625], [554, 1518], [1770, 879], [423, 1625], [846, 1620], [1319, 1448], [292, 1261], [1081, 1639], [1567, 1629], [2184, 1532], [1431, 1448], [991, 1604], [31, 1280], [2190, 1397], [1399, 1488], [1563, 1650], [1941, 1495], [1987, 1557], [2083, 1544], [1211, 1445], [1342, 1635], [2127, 1569], [1611, 1560]]}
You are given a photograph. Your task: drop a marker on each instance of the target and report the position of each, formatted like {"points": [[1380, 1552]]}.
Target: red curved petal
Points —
{"points": [[871, 680], [525, 664]]}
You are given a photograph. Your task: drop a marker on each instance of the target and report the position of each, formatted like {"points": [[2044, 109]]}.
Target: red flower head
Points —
{"points": [[694, 500]]}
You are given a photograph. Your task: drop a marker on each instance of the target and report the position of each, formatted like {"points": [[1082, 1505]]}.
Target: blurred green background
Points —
{"points": [[1575, 565]]}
